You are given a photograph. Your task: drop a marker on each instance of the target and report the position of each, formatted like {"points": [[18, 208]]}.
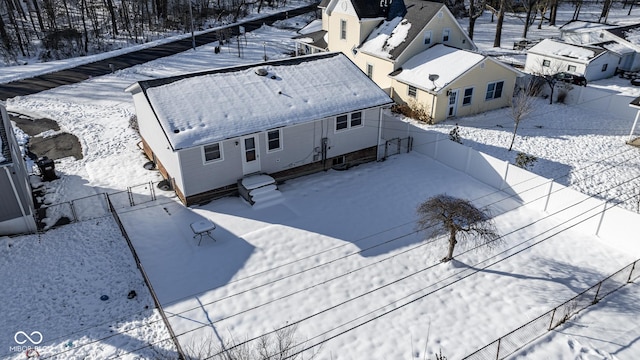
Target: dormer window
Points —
{"points": [[343, 29]]}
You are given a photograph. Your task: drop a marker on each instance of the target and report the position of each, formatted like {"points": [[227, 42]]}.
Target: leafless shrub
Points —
{"points": [[415, 110]]}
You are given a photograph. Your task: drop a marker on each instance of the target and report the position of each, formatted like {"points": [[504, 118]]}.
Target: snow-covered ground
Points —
{"points": [[313, 227]]}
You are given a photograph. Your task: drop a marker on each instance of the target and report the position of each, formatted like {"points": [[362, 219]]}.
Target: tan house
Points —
{"points": [[452, 82], [381, 37]]}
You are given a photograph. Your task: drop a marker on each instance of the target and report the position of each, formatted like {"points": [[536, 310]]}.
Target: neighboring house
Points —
{"points": [[551, 56], [629, 37], [621, 40], [208, 131], [454, 82], [583, 32], [380, 37], [16, 209]]}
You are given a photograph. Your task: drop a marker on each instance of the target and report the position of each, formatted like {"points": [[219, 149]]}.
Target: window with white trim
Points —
{"points": [[212, 152], [274, 142], [467, 96], [494, 90], [427, 37], [445, 35], [546, 63], [348, 121], [571, 68], [343, 29], [412, 92]]}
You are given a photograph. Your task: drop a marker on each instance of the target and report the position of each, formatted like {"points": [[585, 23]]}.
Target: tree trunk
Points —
{"points": [[496, 41], [6, 40], [112, 13], [528, 20], [553, 12], [38, 15], [452, 245], [576, 12], [515, 130], [605, 10], [84, 26]]}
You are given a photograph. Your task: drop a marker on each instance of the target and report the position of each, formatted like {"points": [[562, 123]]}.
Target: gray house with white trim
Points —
{"points": [[16, 201], [208, 131]]}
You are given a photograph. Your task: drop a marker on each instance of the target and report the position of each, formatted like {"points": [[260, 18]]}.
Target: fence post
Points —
{"points": [[604, 209], [553, 314], [399, 145], [73, 211], [435, 151], [153, 192], [130, 196], [504, 177], [633, 267], [498, 349], [546, 203], [595, 298]]}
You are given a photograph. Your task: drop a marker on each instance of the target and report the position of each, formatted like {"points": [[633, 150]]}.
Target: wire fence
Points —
{"points": [[525, 334], [96, 206], [156, 301]]}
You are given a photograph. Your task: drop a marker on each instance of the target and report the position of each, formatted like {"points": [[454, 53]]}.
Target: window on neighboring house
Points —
{"points": [[546, 63], [370, 71], [427, 37], [604, 67], [412, 91], [445, 35], [571, 68], [212, 152], [468, 95], [348, 121], [494, 90], [343, 29], [273, 140]]}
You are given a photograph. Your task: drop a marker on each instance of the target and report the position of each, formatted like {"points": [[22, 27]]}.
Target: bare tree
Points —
{"points": [[501, 10], [521, 105], [280, 344], [459, 218], [476, 8]]}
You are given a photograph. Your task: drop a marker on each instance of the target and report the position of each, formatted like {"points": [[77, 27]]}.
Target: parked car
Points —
{"points": [[571, 78]]}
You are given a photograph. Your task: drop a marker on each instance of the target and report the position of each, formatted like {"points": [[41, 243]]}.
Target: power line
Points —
{"points": [[331, 261]]}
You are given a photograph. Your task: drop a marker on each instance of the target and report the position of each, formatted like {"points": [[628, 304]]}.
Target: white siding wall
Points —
{"points": [[152, 133]]}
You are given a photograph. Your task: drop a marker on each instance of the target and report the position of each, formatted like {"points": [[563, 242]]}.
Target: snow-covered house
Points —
{"points": [[208, 132], [17, 210], [453, 82], [381, 37], [629, 38], [623, 41], [551, 56]]}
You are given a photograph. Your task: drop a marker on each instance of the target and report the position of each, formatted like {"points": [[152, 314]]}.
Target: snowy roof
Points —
{"points": [[635, 103], [446, 62], [584, 26], [317, 39], [314, 26], [616, 47], [565, 50], [392, 37], [202, 108], [631, 33]]}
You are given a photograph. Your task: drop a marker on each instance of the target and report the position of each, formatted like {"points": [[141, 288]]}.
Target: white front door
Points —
{"points": [[453, 103], [250, 154]]}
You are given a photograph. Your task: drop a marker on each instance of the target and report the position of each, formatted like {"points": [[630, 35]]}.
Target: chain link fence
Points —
{"points": [[525, 334], [95, 206]]}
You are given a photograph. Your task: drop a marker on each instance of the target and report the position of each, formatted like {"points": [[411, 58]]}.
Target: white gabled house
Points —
{"points": [[551, 56], [381, 37], [209, 131], [628, 37], [16, 202]]}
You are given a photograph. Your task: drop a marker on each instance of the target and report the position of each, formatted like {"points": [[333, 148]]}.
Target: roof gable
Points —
{"points": [[446, 62], [392, 37], [202, 108], [579, 53]]}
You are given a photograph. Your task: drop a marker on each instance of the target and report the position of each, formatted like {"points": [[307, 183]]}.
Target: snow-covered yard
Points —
{"points": [[276, 265]]}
